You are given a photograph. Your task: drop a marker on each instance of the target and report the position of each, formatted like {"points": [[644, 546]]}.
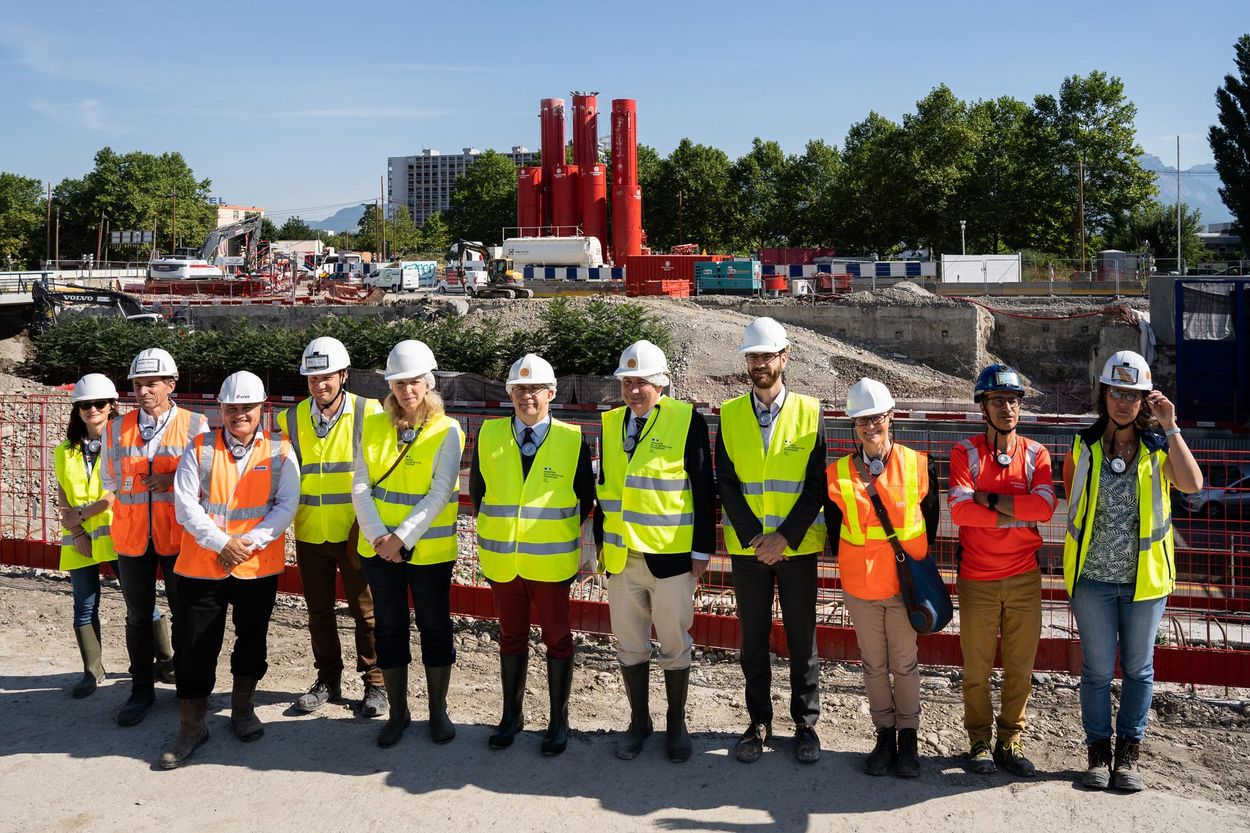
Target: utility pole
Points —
{"points": [[99, 235], [382, 192], [1080, 167], [173, 241], [377, 229], [108, 228], [963, 243], [58, 237], [1179, 270], [47, 243]]}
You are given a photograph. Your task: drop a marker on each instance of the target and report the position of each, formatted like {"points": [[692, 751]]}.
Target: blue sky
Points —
{"points": [[295, 107]]}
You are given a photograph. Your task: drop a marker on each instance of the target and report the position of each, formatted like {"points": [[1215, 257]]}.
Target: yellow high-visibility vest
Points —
{"points": [[71, 474], [529, 526]]}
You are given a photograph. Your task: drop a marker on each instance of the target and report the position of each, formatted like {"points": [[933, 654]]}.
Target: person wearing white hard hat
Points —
{"points": [[656, 531], [325, 430], [1118, 557], [906, 482], [235, 493], [86, 512], [770, 473], [137, 464], [532, 488], [405, 491]]}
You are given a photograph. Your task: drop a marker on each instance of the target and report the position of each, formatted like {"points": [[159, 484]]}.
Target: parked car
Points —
{"points": [[1225, 493]]}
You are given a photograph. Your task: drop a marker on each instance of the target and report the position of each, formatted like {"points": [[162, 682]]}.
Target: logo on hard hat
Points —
{"points": [[1125, 373], [147, 366], [317, 361], [631, 364], [525, 371]]}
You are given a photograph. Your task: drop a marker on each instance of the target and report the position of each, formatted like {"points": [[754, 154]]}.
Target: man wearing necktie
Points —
{"points": [[656, 530], [770, 470], [532, 488]]}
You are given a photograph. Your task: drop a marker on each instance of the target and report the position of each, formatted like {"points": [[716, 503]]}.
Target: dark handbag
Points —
{"points": [[925, 595]]}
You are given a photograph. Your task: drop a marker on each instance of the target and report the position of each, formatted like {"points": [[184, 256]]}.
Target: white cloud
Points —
{"points": [[86, 112]]}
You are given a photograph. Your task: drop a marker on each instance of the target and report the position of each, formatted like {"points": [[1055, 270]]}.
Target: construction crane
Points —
{"points": [[503, 280]]}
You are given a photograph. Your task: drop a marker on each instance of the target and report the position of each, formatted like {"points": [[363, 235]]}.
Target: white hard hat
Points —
{"points": [[324, 355], [868, 397], [153, 362], [764, 335], [408, 360], [642, 359], [93, 386], [1127, 369], [242, 388], [531, 370]]}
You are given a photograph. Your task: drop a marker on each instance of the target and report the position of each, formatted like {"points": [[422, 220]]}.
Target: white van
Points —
{"points": [[405, 276]]}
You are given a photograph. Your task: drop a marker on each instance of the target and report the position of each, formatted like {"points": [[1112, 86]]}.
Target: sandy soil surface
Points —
{"points": [[66, 765]]}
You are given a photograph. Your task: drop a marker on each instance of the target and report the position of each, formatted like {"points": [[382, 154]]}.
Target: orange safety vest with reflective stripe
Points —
{"points": [[236, 503], [140, 515], [865, 556]]}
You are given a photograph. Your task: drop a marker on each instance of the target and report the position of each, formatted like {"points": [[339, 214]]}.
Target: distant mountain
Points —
{"points": [[345, 219], [1199, 188]]}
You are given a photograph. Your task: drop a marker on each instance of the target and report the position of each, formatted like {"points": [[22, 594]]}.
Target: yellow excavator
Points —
{"points": [[502, 278]]}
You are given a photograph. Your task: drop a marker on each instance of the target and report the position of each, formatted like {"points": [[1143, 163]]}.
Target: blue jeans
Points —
{"points": [[85, 582], [1108, 618], [430, 585]]}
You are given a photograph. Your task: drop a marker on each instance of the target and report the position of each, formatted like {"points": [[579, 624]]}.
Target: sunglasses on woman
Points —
{"points": [[94, 405]]}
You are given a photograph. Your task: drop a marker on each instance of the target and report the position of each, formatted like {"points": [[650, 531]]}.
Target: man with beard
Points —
{"points": [[1000, 490], [770, 466]]}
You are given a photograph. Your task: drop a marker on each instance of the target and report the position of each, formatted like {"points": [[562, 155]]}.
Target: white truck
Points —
{"points": [[405, 276], [584, 252]]}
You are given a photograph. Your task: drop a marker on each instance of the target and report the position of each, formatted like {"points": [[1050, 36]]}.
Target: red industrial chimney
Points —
{"points": [[626, 195], [552, 115], [529, 203], [565, 201]]}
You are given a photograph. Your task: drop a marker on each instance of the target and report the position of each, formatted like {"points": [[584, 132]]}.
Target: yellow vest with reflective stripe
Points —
{"points": [[646, 501], [1156, 564], [71, 473], [325, 487], [408, 485], [772, 481], [529, 526]]}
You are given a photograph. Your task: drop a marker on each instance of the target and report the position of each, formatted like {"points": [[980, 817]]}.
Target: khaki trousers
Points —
{"points": [[887, 646], [1014, 607], [637, 600]]}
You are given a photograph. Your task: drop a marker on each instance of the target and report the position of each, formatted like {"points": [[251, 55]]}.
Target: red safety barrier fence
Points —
{"points": [[1204, 638]]}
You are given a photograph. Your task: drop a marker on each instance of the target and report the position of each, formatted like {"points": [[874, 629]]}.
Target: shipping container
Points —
{"points": [[794, 255]]}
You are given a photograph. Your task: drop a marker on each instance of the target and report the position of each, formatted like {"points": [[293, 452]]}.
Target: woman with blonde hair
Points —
{"points": [[86, 510], [405, 492]]}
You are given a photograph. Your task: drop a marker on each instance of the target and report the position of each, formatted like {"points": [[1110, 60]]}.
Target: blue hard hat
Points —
{"points": [[997, 377]]}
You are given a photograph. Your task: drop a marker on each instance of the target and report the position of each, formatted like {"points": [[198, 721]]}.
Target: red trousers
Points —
{"points": [[550, 600]]}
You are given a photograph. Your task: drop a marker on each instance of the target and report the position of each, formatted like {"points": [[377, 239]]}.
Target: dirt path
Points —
{"points": [[65, 765]]}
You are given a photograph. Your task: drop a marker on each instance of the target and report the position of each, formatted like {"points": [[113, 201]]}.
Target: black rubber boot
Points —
{"points": [[560, 685], [908, 763], [92, 667], [677, 741], [191, 733], [882, 757], [247, 725], [637, 679], [512, 672], [163, 664], [142, 696], [437, 680], [396, 682], [1124, 774]]}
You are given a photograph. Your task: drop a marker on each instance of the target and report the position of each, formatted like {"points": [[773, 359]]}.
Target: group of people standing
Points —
{"points": [[372, 489]]}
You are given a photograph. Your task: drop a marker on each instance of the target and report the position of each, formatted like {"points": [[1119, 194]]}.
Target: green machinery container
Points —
{"points": [[729, 276]]}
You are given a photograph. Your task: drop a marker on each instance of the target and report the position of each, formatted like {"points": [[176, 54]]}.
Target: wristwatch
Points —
{"points": [[991, 500]]}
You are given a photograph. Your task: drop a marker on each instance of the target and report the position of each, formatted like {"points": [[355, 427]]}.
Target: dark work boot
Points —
{"points": [[92, 667], [1124, 775], [437, 680], [881, 759], [163, 665], [396, 682], [560, 684], [512, 673], [247, 725], [142, 696], [191, 733], [677, 741], [637, 678], [321, 692], [907, 765], [1098, 772]]}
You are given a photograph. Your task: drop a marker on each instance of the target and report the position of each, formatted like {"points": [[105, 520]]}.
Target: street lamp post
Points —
{"points": [[963, 243]]}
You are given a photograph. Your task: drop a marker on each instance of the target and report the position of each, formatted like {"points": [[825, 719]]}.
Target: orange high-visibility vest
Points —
{"points": [[236, 504], [140, 515], [865, 556]]}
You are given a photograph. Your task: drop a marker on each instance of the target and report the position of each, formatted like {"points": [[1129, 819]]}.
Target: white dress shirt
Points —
{"points": [[766, 431], [441, 492], [539, 428]]}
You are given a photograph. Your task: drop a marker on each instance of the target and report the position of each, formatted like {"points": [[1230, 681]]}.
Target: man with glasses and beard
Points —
{"points": [[1000, 490], [770, 467]]}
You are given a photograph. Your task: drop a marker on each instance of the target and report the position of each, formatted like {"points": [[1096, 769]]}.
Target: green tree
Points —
{"points": [[435, 236], [689, 199], [483, 201], [135, 191], [1230, 139], [868, 217], [402, 237], [294, 229], [993, 197], [938, 146], [366, 237], [1151, 227], [754, 209], [807, 196], [23, 215], [269, 231]]}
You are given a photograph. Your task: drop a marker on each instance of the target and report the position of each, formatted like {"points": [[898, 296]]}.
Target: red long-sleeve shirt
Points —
{"points": [[995, 546]]}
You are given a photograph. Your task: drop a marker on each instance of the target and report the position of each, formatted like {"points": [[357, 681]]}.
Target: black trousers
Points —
{"points": [[795, 582], [430, 589], [137, 575], [202, 628]]}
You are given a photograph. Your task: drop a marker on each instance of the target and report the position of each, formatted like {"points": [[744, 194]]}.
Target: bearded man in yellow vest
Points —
{"points": [[532, 488], [770, 471], [656, 530], [325, 430], [235, 493]]}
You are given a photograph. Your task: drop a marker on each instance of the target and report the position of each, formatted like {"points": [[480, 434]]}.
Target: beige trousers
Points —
{"points": [[887, 645], [637, 600]]}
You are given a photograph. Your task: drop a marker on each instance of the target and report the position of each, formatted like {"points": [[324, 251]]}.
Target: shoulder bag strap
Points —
{"points": [[882, 515]]}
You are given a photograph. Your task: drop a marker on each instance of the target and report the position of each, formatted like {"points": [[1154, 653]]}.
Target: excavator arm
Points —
{"points": [[248, 225]]}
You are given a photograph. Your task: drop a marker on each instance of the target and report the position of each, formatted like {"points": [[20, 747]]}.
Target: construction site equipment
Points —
{"points": [[51, 302], [408, 360], [324, 354], [764, 335], [642, 358], [737, 277], [582, 252], [868, 397], [93, 386], [249, 227], [628, 237], [242, 388], [503, 280]]}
